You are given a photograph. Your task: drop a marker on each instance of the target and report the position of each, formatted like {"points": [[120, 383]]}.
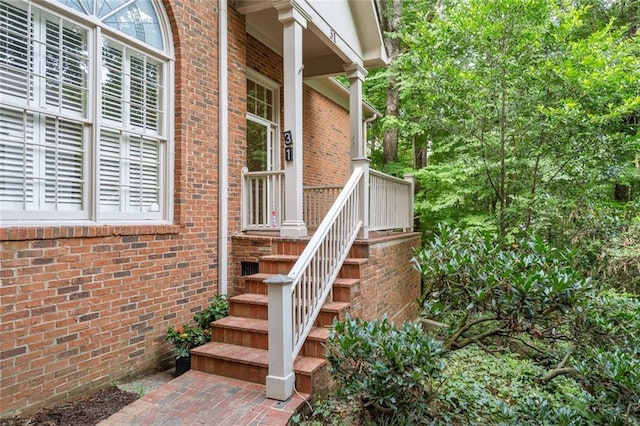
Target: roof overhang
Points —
{"points": [[339, 32], [338, 93]]}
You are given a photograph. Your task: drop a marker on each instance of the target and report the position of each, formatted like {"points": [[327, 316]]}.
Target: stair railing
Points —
{"points": [[295, 300]]}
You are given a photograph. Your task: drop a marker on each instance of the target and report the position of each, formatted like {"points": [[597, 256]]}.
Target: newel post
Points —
{"points": [[281, 378], [363, 195]]}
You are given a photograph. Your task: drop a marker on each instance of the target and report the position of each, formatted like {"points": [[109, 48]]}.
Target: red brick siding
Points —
{"points": [[390, 285], [85, 306], [326, 141]]}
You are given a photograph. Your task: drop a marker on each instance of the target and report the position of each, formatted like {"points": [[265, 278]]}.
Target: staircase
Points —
{"points": [[239, 342]]}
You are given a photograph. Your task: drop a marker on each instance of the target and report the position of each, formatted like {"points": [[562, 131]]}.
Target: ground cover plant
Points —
{"points": [[520, 338]]}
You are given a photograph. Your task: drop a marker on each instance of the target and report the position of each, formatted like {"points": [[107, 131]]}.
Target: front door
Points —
{"points": [[260, 147], [263, 183]]}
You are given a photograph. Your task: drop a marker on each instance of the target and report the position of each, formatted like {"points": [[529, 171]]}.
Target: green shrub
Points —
{"points": [[383, 369], [219, 308], [489, 290]]}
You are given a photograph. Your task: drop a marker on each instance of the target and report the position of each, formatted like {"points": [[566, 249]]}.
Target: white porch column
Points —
{"points": [[356, 74], [293, 22]]}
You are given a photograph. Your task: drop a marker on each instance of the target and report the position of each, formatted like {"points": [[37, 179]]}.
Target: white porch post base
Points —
{"points": [[281, 377], [280, 388], [293, 229]]}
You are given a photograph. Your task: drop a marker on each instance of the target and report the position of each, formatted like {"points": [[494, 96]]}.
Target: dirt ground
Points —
{"points": [[85, 412]]}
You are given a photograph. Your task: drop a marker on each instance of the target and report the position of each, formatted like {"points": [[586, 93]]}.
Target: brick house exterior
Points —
{"points": [[87, 304]]}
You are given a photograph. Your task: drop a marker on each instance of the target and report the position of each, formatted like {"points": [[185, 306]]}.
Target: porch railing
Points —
{"points": [[262, 200], [295, 300], [316, 202], [390, 202]]}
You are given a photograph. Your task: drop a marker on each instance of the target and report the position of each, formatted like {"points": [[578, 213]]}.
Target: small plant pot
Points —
{"points": [[183, 364]]}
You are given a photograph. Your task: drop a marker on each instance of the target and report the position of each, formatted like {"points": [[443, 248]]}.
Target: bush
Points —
{"points": [[383, 369], [219, 308], [485, 290]]}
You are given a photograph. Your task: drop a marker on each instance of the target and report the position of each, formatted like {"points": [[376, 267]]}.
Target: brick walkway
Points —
{"points": [[197, 398]]}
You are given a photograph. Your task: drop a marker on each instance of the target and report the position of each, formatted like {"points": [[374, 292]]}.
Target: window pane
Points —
{"points": [[64, 183], [144, 93], [110, 159], [14, 51], [138, 20], [112, 82], [66, 66], [130, 179], [16, 159], [79, 5], [144, 176]]}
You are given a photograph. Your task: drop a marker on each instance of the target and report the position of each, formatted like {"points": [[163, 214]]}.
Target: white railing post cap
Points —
{"points": [[279, 279]]}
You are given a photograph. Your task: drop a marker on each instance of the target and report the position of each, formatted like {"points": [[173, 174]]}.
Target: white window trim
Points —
{"points": [[274, 127]]}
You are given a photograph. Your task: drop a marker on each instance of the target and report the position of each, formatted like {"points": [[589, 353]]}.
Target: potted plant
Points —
{"points": [[184, 338]]}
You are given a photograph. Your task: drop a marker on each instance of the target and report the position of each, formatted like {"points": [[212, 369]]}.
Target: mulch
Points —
{"points": [[85, 412]]}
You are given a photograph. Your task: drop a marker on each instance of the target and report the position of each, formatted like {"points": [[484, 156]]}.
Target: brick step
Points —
{"points": [[316, 341], [251, 365], [249, 332], [254, 305], [351, 267], [249, 305], [253, 332], [277, 263], [270, 265], [346, 289], [297, 246], [331, 310]]}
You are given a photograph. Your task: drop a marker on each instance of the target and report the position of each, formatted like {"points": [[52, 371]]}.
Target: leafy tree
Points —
{"points": [[530, 111]]}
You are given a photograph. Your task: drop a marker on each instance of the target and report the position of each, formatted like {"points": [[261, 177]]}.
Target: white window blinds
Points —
{"points": [[73, 145]]}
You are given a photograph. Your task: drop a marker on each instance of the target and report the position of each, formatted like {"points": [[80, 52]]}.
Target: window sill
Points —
{"points": [[48, 232]]}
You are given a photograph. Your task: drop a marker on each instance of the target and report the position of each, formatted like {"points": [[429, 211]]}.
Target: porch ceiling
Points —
{"points": [[338, 32]]}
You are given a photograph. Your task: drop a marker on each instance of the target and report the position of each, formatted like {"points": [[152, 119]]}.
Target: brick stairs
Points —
{"points": [[239, 342]]}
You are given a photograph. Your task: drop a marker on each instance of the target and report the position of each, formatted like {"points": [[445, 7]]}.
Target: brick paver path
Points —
{"points": [[197, 398]]}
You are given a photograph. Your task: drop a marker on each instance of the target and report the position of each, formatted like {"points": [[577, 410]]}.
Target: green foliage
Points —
{"points": [[494, 388], [383, 369], [219, 308], [186, 337], [527, 287], [531, 107]]}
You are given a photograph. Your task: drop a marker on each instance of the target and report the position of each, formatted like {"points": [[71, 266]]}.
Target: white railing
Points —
{"points": [[390, 202], [295, 300], [316, 201], [262, 200]]}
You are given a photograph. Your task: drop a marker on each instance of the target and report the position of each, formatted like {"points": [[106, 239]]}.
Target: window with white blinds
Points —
{"points": [[83, 117]]}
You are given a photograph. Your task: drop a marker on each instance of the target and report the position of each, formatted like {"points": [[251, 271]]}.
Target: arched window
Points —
{"points": [[84, 112]]}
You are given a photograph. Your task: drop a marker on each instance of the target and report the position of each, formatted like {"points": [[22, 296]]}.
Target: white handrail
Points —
{"points": [[320, 262], [295, 300]]}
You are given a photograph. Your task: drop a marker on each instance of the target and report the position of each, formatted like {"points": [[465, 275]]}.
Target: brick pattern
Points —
{"points": [[327, 154], [389, 284]]}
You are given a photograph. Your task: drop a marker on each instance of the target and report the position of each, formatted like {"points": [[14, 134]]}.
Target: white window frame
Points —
{"points": [[273, 151], [93, 123]]}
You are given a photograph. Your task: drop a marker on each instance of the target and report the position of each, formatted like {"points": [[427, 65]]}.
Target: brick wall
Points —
{"points": [[85, 306], [326, 141], [390, 285]]}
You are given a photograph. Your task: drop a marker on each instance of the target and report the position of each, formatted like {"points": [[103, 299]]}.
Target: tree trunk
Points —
{"points": [[390, 13]]}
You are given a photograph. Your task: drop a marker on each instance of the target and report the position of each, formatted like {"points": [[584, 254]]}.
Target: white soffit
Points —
{"points": [[338, 93], [340, 32]]}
